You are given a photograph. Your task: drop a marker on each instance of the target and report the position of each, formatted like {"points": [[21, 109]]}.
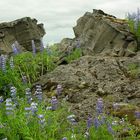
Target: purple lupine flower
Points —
{"points": [[34, 108], [38, 93], [41, 45], [1, 99], [27, 108], [27, 111], [71, 119], [28, 95], [14, 47], [96, 123], [24, 79], [40, 116], [137, 114], [9, 106], [0, 62], [110, 130], [42, 120], [59, 89], [17, 46], [13, 91], [3, 63], [54, 103], [11, 62], [89, 122], [103, 120], [99, 106], [33, 47], [65, 138]]}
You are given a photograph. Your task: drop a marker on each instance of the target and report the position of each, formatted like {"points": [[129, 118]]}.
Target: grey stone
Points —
{"points": [[102, 34], [90, 77], [22, 30]]}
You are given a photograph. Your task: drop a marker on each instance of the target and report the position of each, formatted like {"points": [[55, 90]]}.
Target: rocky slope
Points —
{"points": [[22, 30], [91, 77], [105, 70]]}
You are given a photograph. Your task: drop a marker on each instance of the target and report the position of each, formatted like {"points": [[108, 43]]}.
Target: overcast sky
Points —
{"points": [[59, 16]]}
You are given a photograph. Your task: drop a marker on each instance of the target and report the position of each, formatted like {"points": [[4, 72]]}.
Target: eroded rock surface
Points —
{"points": [[22, 30], [97, 73], [90, 77], [100, 33]]}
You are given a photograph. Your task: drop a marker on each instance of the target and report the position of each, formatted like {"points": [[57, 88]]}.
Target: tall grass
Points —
{"points": [[134, 22]]}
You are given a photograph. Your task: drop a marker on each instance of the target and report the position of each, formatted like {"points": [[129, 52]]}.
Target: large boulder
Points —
{"points": [[100, 33], [22, 30]]}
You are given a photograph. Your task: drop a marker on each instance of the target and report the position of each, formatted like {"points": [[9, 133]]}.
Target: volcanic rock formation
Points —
{"points": [[100, 33], [98, 73], [22, 30]]}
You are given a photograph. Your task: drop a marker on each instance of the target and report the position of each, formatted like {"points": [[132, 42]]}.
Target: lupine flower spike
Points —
{"points": [[99, 106], [65, 138], [14, 47], [33, 47], [1, 99], [89, 122], [59, 89], [42, 121], [137, 114], [54, 103], [34, 108], [38, 93], [13, 91], [11, 62], [9, 106], [96, 123], [41, 45], [28, 95], [24, 79], [3, 63], [71, 119], [27, 111]]}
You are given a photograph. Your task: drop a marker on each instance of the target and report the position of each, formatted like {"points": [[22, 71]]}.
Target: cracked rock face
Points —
{"points": [[22, 30], [100, 33]]}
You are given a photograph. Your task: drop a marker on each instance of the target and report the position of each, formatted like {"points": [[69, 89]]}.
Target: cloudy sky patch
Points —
{"points": [[59, 16]]}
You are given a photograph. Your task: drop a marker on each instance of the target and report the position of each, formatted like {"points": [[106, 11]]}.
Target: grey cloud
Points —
{"points": [[60, 16]]}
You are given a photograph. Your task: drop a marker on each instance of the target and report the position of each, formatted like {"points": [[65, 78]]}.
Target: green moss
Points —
{"points": [[134, 70]]}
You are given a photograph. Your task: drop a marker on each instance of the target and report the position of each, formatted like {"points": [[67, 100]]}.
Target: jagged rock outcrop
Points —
{"points": [[22, 30], [100, 33], [84, 80]]}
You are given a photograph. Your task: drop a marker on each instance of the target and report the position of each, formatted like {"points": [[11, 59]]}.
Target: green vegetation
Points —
{"points": [[26, 116], [134, 70], [77, 53], [134, 22]]}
